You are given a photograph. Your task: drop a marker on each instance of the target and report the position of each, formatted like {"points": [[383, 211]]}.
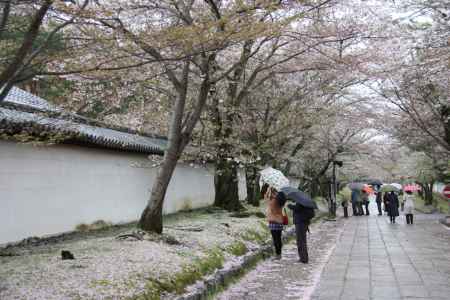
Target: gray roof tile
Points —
{"points": [[83, 133]]}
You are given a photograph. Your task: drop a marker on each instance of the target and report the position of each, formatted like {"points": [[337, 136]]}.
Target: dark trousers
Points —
{"points": [[355, 210], [276, 237], [409, 218], [366, 205], [379, 208], [302, 247], [345, 212], [392, 219], [360, 210]]}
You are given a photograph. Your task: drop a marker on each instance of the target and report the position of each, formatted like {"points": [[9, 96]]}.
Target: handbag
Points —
{"points": [[285, 217]]}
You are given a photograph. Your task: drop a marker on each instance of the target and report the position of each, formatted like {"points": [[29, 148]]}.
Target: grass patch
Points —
{"points": [[238, 248], [440, 204], [101, 282], [254, 236], [96, 225], [189, 274]]}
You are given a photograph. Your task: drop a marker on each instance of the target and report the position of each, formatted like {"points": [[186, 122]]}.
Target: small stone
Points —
{"points": [[66, 255]]}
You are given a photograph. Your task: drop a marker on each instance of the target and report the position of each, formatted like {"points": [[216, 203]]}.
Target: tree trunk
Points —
{"points": [[314, 188], [427, 192], [226, 176], [151, 217], [226, 184], [446, 117], [428, 197], [252, 182]]}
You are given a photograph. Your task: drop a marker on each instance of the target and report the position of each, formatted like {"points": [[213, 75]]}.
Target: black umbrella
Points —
{"points": [[375, 182], [356, 186], [299, 197]]}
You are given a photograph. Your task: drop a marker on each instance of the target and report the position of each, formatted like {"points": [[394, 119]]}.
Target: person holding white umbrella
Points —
{"points": [[271, 182]]}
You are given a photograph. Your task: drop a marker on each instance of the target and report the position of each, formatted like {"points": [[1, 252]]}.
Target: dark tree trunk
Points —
{"points": [[179, 136], [151, 217], [314, 188], [446, 117], [226, 176], [427, 192], [226, 185], [252, 182]]}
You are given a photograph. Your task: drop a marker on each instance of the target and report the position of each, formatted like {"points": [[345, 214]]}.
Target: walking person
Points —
{"points": [[275, 202], [392, 206], [359, 204], [365, 201], [408, 207], [344, 204], [378, 201], [355, 196], [302, 218], [385, 200]]}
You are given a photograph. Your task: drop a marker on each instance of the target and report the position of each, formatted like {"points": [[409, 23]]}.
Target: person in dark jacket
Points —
{"points": [[365, 201], [392, 206], [385, 200], [302, 218], [378, 200], [355, 196]]}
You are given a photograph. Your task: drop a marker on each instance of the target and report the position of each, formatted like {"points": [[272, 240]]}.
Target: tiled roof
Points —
{"points": [[21, 97], [76, 131]]}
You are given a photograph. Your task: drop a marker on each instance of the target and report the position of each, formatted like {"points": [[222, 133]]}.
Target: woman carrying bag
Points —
{"points": [[275, 217]]}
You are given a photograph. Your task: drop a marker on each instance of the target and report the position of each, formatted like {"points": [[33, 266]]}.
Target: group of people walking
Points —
{"points": [[277, 218], [360, 199], [389, 203]]}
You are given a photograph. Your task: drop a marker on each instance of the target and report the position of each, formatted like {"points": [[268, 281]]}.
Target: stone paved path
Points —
{"points": [[287, 278], [376, 260], [359, 258]]}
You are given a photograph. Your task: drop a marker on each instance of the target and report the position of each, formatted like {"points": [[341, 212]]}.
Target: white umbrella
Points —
{"points": [[273, 177], [397, 185]]}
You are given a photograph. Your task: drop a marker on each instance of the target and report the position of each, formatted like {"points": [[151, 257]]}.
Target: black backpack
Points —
{"points": [[308, 213]]}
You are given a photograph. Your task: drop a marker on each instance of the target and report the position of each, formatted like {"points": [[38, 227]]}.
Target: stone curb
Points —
{"points": [[445, 221], [217, 281]]}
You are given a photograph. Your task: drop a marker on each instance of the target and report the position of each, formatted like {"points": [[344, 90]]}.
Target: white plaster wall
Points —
{"points": [[47, 190]]}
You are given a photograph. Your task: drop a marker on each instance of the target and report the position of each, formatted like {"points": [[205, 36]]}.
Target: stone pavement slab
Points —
{"points": [[364, 258], [403, 261]]}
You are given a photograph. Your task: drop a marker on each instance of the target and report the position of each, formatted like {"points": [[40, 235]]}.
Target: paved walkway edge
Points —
{"points": [[316, 278], [220, 279]]}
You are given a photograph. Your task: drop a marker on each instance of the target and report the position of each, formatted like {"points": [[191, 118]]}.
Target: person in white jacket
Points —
{"points": [[408, 206]]}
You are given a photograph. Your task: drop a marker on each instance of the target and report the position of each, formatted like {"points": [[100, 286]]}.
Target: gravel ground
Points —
{"points": [[108, 268]]}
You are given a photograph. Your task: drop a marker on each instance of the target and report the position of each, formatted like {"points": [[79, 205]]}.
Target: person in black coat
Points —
{"points": [[392, 206], [302, 218], [385, 200], [378, 200]]}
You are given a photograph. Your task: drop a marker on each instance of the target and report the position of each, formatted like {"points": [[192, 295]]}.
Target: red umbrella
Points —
{"points": [[411, 188]]}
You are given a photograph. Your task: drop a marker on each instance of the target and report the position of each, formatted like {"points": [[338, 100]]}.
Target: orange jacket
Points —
{"points": [[274, 210]]}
